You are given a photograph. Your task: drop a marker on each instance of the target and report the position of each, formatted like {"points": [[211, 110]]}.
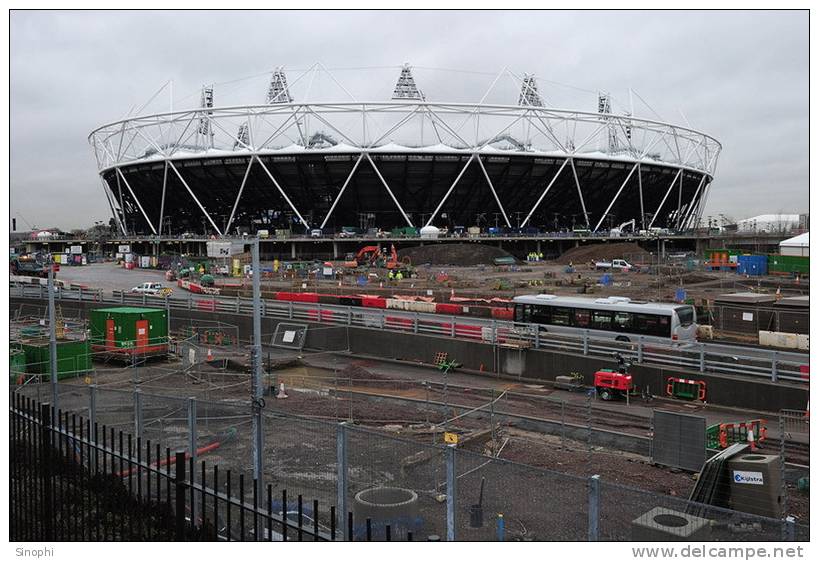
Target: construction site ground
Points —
{"points": [[332, 387]]}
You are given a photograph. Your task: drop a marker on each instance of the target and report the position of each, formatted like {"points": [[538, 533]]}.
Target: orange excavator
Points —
{"points": [[372, 256]]}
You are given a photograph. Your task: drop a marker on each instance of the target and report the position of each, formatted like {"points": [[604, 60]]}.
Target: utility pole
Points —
{"points": [[52, 341], [256, 376]]}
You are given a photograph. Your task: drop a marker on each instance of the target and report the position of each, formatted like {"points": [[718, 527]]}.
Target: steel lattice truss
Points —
{"points": [[408, 162]]}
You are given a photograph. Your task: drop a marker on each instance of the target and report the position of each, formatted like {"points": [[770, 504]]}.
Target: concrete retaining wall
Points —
{"points": [[531, 364]]}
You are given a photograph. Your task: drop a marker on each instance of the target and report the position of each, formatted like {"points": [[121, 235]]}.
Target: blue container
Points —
{"points": [[752, 265]]}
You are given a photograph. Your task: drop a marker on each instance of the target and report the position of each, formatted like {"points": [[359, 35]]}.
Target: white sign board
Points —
{"points": [[224, 249], [747, 316], [748, 477], [76, 250], [289, 336], [124, 249]]}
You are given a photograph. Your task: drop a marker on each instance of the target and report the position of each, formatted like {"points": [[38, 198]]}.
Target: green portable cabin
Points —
{"points": [[17, 363], [73, 357], [129, 331]]}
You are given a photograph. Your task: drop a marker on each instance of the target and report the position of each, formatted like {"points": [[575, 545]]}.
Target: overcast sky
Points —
{"points": [[741, 77]]}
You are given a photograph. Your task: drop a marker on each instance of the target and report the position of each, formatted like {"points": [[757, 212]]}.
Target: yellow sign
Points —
{"points": [[450, 438], [88, 379]]}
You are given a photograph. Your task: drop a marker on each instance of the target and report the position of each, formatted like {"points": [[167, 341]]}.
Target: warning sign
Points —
{"points": [[450, 438]]}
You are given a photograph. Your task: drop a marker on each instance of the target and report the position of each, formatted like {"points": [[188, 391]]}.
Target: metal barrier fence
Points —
{"points": [[444, 492], [696, 357]]}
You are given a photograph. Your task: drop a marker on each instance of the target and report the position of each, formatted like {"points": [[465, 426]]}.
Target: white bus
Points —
{"points": [[617, 317]]}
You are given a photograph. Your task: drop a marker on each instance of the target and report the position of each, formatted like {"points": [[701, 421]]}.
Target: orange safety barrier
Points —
{"points": [[685, 389], [730, 433]]}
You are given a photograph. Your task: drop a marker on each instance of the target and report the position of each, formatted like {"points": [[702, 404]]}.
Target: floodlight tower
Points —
{"points": [[205, 129], [604, 109], [242, 138], [278, 92], [405, 88], [528, 92]]}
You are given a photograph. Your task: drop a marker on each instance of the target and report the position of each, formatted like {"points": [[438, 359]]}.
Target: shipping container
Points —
{"points": [[73, 358], [752, 265], [450, 309], [130, 331], [788, 265]]}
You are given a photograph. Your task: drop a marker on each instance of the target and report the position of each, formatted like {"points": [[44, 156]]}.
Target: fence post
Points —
{"points": [[640, 349], [45, 461], [594, 508], [138, 413], [774, 367], [537, 337], [341, 477], [92, 407], [179, 482], [415, 323], [585, 341], [290, 310], [192, 427], [451, 493], [702, 357], [789, 529]]}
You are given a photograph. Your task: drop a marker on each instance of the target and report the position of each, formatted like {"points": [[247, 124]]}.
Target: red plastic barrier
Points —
{"points": [[503, 313], [374, 302], [451, 309], [207, 305], [298, 296], [392, 321], [326, 315], [469, 331]]}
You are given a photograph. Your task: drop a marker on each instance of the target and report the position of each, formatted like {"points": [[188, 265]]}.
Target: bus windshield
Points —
{"points": [[685, 315]]}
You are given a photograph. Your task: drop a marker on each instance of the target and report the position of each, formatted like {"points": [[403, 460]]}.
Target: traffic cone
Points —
{"points": [[281, 394], [751, 441], [210, 355]]}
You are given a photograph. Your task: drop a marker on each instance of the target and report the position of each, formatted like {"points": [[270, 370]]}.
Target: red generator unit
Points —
{"points": [[610, 384]]}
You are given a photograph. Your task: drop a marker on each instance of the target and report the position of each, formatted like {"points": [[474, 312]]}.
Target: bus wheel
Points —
{"points": [[605, 394], [622, 338]]}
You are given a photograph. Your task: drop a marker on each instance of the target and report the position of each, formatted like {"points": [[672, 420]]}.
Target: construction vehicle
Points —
{"points": [[619, 230], [29, 266], [374, 256]]}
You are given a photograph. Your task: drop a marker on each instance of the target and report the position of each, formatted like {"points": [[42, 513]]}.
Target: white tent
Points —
{"points": [[799, 245], [769, 223]]}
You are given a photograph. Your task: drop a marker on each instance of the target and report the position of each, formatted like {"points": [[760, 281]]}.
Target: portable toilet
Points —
{"points": [[129, 331]]}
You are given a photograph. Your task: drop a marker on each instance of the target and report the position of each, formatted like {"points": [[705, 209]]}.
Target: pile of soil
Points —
{"points": [[604, 251], [457, 254]]}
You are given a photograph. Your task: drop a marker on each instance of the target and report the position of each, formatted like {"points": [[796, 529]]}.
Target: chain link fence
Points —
{"points": [[408, 479]]}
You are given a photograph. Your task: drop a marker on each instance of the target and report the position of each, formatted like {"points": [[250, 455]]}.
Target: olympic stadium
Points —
{"points": [[398, 158]]}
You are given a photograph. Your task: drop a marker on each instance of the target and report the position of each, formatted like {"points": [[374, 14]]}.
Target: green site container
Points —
{"points": [[17, 363], [128, 330], [73, 358], [788, 264]]}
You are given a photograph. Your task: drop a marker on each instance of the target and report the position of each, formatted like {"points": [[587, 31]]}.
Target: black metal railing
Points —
{"points": [[71, 481]]}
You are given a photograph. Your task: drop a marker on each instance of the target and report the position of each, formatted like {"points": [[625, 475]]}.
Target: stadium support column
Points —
{"points": [[659, 208], [335, 250]]}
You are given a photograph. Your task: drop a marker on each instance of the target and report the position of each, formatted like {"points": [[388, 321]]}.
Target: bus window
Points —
{"points": [[648, 324], [601, 320], [622, 321], [582, 318], [685, 315], [540, 314], [561, 316]]}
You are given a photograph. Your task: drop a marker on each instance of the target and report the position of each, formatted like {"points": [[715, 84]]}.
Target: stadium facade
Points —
{"points": [[404, 161]]}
